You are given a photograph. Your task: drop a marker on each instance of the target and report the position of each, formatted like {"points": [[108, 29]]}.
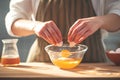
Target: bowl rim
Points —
{"points": [[86, 47], [108, 52]]}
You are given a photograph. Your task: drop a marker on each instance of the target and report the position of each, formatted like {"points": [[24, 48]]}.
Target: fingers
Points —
{"points": [[83, 37], [54, 35], [78, 39], [73, 27], [80, 34], [51, 33], [46, 37], [58, 34], [77, 31], [82, 29]]}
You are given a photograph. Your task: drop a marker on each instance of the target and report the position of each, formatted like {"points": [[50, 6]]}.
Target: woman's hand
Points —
{"points": [[49, 32], [83, 28]]}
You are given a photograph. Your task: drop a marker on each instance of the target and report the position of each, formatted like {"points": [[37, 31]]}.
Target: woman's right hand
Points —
{"points": [[48, 31]]}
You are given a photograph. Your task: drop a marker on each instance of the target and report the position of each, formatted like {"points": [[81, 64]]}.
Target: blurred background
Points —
{"points": [[112, 41]]}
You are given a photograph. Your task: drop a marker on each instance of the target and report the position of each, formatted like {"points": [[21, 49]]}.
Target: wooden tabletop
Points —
{"points": [[48, 70]]}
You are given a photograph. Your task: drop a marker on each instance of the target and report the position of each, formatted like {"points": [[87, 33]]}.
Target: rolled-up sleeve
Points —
{"points": [[112, 6], [18, 9]]}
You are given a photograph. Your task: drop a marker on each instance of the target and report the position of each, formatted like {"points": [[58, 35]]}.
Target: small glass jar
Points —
{"points": [[10, 55]]}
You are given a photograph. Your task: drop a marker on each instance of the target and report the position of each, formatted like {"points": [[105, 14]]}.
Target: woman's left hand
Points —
{"points": [[83, 28]]}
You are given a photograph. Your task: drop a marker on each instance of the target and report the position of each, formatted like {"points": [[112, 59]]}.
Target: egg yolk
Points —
{"points": [[65, 53]]}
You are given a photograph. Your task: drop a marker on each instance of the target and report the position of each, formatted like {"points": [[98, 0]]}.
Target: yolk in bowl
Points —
{"points": [[64, 62], [65, 53]]}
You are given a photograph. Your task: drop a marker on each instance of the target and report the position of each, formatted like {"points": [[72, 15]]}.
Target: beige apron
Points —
{"points": [[64, 13]]}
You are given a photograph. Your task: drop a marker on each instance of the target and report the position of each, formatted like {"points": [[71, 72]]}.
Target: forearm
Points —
{"points": [[111, 22], [22, 27]]}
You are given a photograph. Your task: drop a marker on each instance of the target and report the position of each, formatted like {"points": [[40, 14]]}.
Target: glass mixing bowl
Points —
{"points": [[66, 57]]}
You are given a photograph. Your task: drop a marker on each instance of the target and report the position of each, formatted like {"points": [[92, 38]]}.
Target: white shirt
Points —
{"points": [[26, 8]]}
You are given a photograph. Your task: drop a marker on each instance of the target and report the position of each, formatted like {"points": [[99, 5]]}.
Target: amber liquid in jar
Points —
{"points": [[10, 61]]}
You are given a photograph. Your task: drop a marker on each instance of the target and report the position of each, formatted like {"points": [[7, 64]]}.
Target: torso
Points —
{"points": [[64, 13]]}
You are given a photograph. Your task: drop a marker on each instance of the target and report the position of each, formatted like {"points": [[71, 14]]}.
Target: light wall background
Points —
{"points": [[112, 41]]}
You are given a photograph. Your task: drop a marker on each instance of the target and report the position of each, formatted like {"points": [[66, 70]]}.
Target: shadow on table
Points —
{"points": [[97, 70]]}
